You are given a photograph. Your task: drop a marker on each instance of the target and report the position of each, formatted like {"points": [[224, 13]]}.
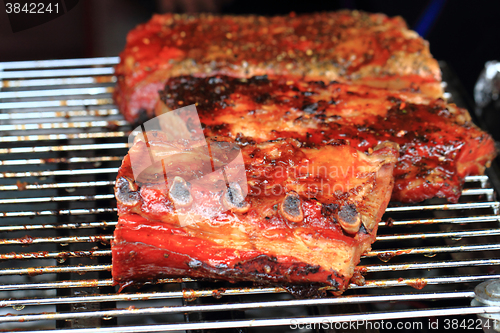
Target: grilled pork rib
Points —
{"points": [[331, 113], [347, 46], [308, 215], [439, 145]]}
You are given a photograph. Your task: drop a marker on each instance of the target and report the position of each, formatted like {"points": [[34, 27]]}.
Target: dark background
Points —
{"points": [[465, 33]]}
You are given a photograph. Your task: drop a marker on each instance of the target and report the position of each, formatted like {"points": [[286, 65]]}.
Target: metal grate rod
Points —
{"points": [[62, 125], [56, 92], [57, 81], [457, 220], [450, 234], [54, 255], [55, 269], [68, 186], [472, 205], [42, 149], [62, 240], [482, 179], [225, 307], [432, 250], [285, 321], [480, 191], [420, 283], [68, 136], [56, 72], [54, 103], [60, 212], [62, 114], [167, 295], [9, 65], [430, 265], [83, 225], [69, 160], [58, 199], [57, 173], [417, 283]]}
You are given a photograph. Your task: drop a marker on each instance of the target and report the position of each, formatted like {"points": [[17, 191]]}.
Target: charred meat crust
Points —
{"points": [[323, 236], [282, 236], [439, 145], [353, 46], [262, 270]]}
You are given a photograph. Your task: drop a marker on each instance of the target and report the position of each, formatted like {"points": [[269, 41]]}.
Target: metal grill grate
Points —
{"points": [[61, 143]]}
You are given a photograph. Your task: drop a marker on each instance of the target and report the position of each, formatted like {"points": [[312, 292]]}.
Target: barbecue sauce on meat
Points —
{"points": [[370, 49], [291, 231], [439, 145]]}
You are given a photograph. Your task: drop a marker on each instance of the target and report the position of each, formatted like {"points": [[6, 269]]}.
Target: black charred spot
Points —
{"points": [[349, 214], [329, 209], [321, 84], [320, 117], [310, 108], [258, 78], [393, 99], [332, 281], [244, 140], [207, 93], [334, 117], [218, 127], [215, 80], [312, 290], [262, 98], [309, 269], [141, 118]]}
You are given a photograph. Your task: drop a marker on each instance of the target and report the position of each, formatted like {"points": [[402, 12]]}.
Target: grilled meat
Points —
{"points": [[329, 117], [347, 46], [308, 215], [439, 145]]}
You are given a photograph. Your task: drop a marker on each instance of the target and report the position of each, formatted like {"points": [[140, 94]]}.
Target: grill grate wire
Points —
{"points": [[61, 143]]}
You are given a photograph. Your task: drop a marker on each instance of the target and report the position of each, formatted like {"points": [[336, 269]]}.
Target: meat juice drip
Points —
{"points": [[385, 257]]}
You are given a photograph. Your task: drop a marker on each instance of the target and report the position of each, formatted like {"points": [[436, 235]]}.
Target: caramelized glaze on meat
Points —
{"points": [[310, 213], [334, 113], [439, 145], [348, 46]]}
